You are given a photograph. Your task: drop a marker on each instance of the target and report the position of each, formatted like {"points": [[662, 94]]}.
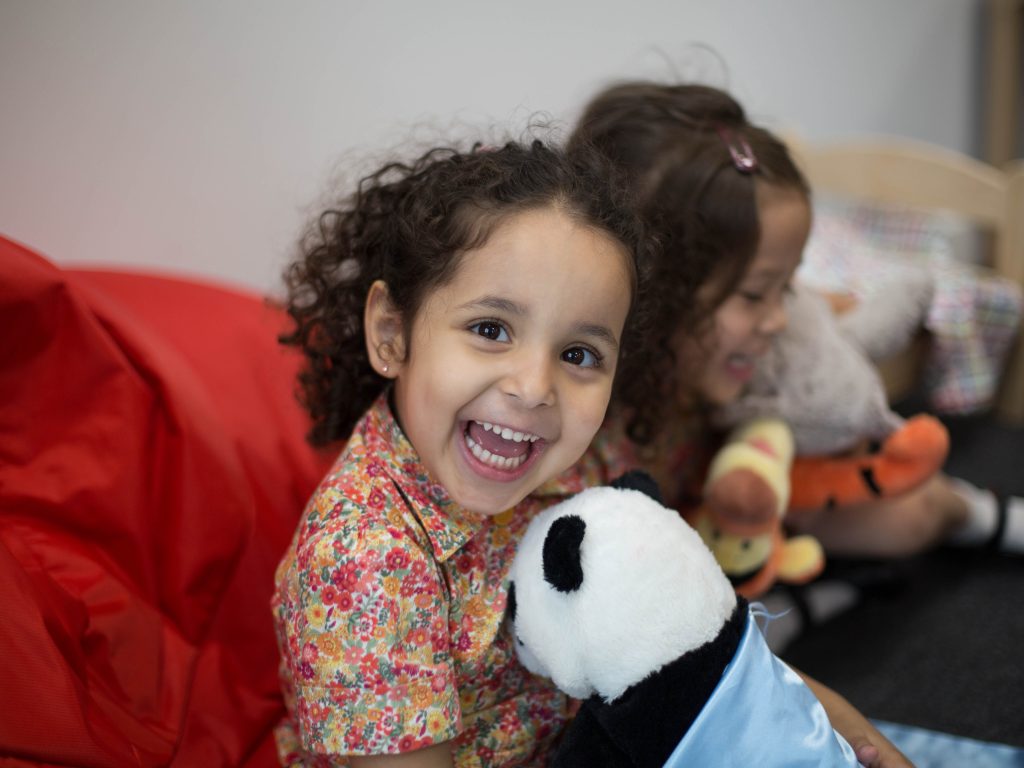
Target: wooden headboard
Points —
{"points": [[915, 174]]}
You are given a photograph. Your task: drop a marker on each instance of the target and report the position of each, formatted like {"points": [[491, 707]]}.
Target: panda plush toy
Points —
{"points": [[617, 600]]}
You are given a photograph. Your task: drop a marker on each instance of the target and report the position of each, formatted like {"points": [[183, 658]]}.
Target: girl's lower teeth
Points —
{"points": [[499, 462]]}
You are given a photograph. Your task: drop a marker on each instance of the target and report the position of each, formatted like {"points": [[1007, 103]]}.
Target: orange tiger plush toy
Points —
{"points": [[754, 483], [905, 459]]}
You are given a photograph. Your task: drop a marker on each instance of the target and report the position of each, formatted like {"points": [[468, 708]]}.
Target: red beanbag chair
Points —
{"points": [[152, 469]]}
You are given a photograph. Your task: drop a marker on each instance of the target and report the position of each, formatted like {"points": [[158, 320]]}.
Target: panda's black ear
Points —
{"points": [[638, 480], [562, 567]]}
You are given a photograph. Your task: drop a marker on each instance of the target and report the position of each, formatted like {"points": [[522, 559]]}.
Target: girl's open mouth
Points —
{"points": [[741, 367], [500, 448]]}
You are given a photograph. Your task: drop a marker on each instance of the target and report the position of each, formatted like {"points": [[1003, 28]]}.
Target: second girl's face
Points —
{"points": [[745, 323], [510, 365]]}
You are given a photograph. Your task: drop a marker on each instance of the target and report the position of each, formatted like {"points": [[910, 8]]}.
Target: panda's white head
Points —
{"points": [[608, 587]]}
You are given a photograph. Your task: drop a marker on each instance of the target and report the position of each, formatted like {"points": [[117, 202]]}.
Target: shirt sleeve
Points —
{"points": [[370, 651]]}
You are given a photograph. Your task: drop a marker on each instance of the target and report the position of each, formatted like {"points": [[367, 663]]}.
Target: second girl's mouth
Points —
{"points": [[741, 366]]}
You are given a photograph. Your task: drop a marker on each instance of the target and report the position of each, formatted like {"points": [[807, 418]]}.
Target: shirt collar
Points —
{"points": [[447, 525]]}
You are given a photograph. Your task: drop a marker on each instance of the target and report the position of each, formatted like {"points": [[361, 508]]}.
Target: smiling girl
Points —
{"points": [[463, 318]]}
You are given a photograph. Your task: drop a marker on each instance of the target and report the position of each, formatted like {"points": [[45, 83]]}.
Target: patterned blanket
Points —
{"points": [[974, 314]]}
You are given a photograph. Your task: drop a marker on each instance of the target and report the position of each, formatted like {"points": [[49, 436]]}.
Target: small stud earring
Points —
{"points": [[384, 369]]}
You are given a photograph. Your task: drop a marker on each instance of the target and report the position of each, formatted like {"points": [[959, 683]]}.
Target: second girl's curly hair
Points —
{"points": [[408, 224], [672, 142]]}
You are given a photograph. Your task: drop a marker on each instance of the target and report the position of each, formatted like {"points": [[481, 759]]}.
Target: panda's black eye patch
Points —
{"points": [[563, 568]]}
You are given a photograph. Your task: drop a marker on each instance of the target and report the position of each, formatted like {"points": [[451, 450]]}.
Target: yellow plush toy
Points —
{"points": [[745, 498]]}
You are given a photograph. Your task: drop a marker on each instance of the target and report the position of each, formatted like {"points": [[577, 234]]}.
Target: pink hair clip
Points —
{"points": [[739, 150]]}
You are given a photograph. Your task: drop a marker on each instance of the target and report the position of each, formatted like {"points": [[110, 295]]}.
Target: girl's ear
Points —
{"points": [[385, 331]]}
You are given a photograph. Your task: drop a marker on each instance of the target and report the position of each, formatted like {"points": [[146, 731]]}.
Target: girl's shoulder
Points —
{"points": [[358, 493]]}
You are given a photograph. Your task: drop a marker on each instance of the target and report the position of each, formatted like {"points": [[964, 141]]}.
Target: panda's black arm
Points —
{"points": [[585, 744], [647, 722]]}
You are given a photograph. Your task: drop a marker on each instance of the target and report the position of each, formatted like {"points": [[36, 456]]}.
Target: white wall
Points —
{"points": [[197, 136]]}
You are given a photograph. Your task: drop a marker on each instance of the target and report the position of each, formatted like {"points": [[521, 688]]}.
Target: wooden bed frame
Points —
{"points": [[892, 171]]}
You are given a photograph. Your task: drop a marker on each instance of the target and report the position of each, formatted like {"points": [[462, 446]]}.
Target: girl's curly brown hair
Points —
{"points": [[672, 142], [408, 224]]}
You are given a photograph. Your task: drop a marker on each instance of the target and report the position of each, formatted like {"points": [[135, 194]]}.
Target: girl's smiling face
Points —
{"points": [[508, 370], [745, 323]]}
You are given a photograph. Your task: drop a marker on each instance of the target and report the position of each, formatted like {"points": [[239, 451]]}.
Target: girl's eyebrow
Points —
{"points": [[496, 303], [763, 276], [766, 272], [602, 332]]}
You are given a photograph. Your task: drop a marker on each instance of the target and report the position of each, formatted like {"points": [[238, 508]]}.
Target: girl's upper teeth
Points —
{"points": [[506, 433]]}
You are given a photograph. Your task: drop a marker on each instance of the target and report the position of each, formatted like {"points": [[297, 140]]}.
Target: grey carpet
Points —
{"points": [[936, 641]]}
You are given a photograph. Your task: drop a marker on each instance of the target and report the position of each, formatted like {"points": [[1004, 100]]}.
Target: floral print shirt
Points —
{"points": [[389, 609]]}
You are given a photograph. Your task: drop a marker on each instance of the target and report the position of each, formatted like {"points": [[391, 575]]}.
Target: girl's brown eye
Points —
{"points": [[582, 357], [489, 330]]}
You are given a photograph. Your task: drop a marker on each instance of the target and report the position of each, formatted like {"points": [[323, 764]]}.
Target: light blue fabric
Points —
{"points": [[931, 749], [761, 713]]}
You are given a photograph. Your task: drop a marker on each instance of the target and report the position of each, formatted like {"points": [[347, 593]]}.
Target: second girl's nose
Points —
{"points": [[774, 319]]}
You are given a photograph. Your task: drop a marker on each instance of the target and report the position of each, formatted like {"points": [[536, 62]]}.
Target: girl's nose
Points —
{"points": [[774, 319], [530, 380]]}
